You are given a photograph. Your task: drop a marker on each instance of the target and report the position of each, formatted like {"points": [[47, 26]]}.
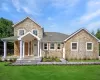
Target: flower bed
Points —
{"points": [[50, 59]]}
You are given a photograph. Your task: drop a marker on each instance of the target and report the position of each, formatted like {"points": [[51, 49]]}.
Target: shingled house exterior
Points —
{"points": [[31, 40]]}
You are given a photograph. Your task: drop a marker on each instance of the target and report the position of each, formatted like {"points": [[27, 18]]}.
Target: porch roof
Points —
{"points": [[12, 38]]}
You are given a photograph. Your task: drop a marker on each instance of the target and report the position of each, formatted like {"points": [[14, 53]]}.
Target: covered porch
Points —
{"points": [[25, 47]]}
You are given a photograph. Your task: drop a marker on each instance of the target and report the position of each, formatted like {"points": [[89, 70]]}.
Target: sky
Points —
{"points": [[65, 16]]}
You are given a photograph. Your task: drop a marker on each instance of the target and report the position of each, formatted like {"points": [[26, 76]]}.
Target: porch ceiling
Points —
{"points": [[28, 37]]}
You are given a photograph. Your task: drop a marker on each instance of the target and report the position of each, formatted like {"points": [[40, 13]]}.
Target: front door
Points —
{"points": [[35, 48]]}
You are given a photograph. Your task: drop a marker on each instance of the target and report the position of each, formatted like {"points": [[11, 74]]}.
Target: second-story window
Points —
{"points": [[21, 32], [34, 32]]}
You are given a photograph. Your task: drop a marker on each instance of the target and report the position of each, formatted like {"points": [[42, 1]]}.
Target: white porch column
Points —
{"points": [[21, 49], [28, 48], [5, 49], [38, 48], [64, 52]]}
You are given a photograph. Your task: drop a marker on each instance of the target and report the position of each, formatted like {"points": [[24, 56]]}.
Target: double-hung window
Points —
{"points": [[45, 46], [34, 32], [21, 32], [89, 46], [59, 46], [74, 46], [52, 46]]}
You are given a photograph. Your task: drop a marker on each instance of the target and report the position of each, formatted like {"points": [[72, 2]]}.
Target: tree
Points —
{"points": [[92, 32], [6, 28], [98, 36]]}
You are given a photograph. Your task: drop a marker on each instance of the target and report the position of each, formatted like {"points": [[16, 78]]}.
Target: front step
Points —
{"points": [[26, 62]]}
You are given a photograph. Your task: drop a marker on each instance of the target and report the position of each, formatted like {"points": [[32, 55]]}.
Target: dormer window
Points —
{"points": [[34, 32], [21, 32]]}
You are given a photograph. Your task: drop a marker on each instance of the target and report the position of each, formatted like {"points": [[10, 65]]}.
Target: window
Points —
{"points": [[74, 46], [21, 32], [35, 32], [89, 46], [58, 46], [45, 46], [52, 46]]}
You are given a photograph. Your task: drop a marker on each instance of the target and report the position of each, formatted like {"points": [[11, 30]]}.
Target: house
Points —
{"points": [[31, 40]]}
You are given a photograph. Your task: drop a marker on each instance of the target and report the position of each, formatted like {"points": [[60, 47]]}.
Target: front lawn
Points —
{"points": [[49, 72]]}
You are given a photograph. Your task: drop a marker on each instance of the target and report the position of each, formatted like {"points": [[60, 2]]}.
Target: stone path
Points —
{"points": [[37, 61]]}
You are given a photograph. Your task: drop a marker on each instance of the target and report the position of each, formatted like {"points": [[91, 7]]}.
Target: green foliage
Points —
{"points": [[92, 33], [50, 59], [98, 34], [6, 28]]}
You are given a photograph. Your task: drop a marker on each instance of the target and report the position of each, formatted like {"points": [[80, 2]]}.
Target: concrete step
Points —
{"points": [[26, 61]]}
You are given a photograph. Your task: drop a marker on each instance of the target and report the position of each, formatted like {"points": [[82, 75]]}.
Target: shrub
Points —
{"points": [[50, 59], [0, 59]]}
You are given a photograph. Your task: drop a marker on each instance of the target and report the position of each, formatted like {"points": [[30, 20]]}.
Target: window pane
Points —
{"points": [[74, 45], [58, 46], [52, 46], [89, 46], [21, 32], [45, 45], [35, 32]]}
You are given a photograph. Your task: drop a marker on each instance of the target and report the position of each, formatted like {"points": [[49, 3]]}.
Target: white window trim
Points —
{"points": [[49, 46], [36, 30], [19, 30], [86, 46], [43, 46], [60, 46], [74, 49]]}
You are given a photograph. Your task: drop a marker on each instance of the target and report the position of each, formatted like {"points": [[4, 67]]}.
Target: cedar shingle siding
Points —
{"points": [[82, 37]]}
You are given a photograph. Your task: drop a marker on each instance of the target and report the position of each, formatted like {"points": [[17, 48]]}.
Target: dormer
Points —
{"points": [[27, 25]]}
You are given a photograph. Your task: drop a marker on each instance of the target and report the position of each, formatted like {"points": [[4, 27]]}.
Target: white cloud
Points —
{"points": [[89, 16], [29, 7], [35, 7], [92, 11], [64, 3], [93, 25]]}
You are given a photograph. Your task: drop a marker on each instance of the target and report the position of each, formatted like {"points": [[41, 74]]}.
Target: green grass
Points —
{"points": [[49, 72]]}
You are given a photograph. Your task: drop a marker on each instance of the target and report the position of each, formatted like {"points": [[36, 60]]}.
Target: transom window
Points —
{"points": [[74, 46], [21, 32], [45, 46], [52, 46], [89, 46], [35, 32], [58, 46]]}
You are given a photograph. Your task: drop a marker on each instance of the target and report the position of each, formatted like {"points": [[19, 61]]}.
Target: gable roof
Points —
{"points": [[78, 32], [27, 34], [54, 37], [24, 20]]}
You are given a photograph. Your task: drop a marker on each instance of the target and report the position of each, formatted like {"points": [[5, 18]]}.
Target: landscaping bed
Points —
{"points": [[83, 60], [50, 59], [11, 60]]}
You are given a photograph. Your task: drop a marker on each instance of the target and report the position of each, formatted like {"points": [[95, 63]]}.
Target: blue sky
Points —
{"points": [[65, 16]]}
